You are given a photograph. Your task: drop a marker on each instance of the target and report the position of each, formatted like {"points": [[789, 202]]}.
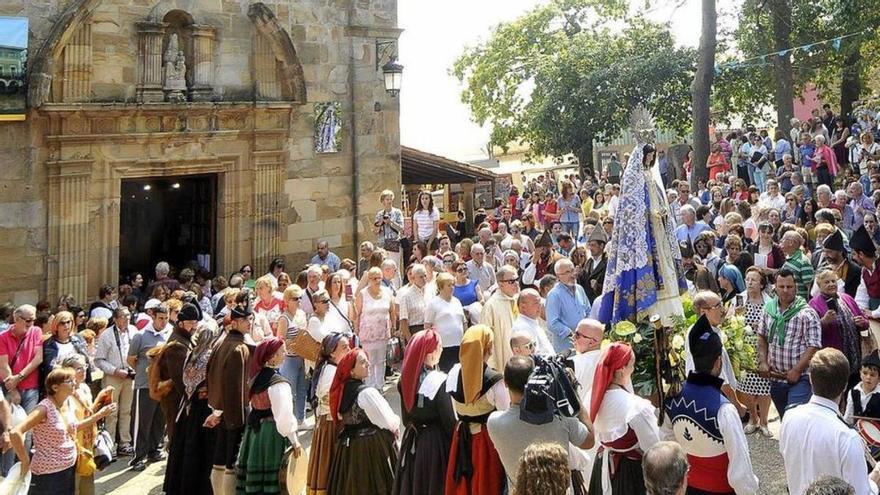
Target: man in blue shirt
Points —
{"points": [[325, 257], [690, 227], [567, 304]]}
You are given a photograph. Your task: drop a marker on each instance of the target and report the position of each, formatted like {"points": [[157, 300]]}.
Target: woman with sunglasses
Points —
{"points": [[54, 429], [465, 290], [62, 344]]}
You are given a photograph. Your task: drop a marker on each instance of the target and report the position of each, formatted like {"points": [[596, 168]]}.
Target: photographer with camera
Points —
{"points": [[511, 434], [110, 353]]}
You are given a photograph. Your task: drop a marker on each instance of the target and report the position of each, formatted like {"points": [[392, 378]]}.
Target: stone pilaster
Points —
{"points": [[267, 214], [69, 183], [202, 61], [150, 35], [78, 66], [265, 69]]}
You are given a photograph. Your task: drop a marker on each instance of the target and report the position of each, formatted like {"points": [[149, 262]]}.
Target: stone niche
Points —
{"points": [[176, 125]]}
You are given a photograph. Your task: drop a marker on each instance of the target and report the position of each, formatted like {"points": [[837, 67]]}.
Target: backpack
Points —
{"points": [[548, 392], [158, 388]]}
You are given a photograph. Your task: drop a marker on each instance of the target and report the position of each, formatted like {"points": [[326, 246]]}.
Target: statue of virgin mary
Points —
{"points": [[644, 275]]}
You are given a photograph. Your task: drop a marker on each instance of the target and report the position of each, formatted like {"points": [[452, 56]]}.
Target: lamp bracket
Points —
{"points": [[386, 51]]}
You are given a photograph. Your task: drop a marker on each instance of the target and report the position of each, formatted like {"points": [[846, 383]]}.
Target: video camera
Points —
{"points": [[550, 391]]}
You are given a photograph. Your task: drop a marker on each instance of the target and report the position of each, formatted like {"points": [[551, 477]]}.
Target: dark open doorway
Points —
{"points": [[167, 219]]}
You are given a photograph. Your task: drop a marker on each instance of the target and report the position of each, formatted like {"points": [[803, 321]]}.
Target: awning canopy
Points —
{"points": [[418, 167]]}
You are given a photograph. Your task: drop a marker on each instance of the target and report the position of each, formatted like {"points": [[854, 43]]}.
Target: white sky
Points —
{"points": [[433, 118]]}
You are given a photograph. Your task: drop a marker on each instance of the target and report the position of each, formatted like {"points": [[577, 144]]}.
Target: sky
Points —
{"points": [[432, 116], [14, 31]]}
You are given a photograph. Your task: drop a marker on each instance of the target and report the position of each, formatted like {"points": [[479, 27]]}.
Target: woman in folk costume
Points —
{"points": [[365, 454], [427, 416], [623, 422], [333, 348], [644, 274], [271, 425], [476, 390], [188, 469]]}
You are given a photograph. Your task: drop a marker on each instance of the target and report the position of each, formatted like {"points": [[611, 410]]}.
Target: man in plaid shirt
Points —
{"points": [[798, 263], [788, 336]]}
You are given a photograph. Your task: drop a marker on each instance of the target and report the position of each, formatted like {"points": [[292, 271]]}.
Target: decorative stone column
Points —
{"points": [[202, 61], [69, 242], [150, 36], [267, 214]]}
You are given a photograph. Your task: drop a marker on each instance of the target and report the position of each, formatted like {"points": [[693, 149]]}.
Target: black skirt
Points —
{"points": [[363, 465], [188, 471], [627, 480], [424, 454]]}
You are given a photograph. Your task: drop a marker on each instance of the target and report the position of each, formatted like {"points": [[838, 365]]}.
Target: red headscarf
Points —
{"points": [[422, 344], [265, 350], [616, 357], [343, 374]]}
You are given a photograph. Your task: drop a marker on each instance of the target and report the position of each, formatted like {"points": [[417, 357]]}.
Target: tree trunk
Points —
{"points": [[585, 158], [701, 89], [780, 14], [850, 82]]}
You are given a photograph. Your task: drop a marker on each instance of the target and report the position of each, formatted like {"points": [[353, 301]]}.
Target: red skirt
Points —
{"points": [[488, 477]]}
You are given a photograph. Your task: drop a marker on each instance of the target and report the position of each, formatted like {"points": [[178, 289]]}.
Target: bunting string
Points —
{"points": [[764, 59]]}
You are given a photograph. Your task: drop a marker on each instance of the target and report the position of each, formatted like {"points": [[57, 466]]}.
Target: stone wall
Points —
{"points": [[61, 169]]}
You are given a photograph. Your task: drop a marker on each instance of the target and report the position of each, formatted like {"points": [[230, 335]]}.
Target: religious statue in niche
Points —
{"points": [[327, 128], [175, 72]]}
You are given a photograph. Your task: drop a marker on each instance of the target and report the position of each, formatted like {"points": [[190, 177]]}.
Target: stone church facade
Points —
{"points": [[109, 102]]}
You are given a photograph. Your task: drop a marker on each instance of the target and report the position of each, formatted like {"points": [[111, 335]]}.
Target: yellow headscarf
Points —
{"points": [[474, 343]]}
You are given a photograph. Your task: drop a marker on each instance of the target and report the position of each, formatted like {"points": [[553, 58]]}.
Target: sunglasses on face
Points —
{"points": [[510, 281]]}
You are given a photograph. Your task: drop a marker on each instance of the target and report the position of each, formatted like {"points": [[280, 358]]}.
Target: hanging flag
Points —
{"points": [[782, 53], [836, 44]]}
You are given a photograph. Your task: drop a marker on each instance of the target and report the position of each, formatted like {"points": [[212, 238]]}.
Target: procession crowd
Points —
{"points": [[220, 375]]}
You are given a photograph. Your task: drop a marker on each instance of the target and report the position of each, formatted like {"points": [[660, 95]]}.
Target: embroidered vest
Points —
{"points": [[694, 416], [872, 282], [870, 410]]}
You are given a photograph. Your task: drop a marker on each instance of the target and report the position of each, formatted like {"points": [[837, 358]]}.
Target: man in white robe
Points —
{"points": [[499, 313]]}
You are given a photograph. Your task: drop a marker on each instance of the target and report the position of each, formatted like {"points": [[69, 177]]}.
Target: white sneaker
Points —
{"points": [[766, 432], [750, 428]]}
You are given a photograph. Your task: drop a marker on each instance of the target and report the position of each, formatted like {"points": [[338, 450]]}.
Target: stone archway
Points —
{"points": [[291, 78]]}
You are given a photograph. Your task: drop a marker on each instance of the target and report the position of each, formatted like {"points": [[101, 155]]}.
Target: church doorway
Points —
{"points": [[167, 219]]}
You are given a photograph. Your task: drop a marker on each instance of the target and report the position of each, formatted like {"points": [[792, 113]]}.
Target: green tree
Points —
{"points": [[762, 26], [558, 78]]}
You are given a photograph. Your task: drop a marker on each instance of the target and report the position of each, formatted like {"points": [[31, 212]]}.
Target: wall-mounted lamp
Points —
{"points": [[386, 58]]}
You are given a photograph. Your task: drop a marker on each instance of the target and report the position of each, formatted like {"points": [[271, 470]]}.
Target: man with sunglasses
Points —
{"points": [[499, 312], [529, 323], [21, 353]]}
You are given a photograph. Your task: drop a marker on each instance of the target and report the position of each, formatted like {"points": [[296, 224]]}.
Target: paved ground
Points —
{"points": [[119, 480]]}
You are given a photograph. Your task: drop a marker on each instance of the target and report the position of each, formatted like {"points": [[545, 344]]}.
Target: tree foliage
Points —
{"points": [[746, 89], [559, 77]]}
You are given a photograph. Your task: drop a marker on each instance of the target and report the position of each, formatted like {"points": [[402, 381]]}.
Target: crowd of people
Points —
{"points": [[223, 376]]}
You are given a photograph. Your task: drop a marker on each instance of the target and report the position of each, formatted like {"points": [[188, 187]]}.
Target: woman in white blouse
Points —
{"points": [[365, 454], [623, 422], [333, 348], [271, 424], [426, 221], [445, 315], [338, 317]]}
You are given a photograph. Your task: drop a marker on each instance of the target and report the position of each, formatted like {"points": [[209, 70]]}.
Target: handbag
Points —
{"points": [[393, 351], [304, 346], [392, 245], [103, 451]]}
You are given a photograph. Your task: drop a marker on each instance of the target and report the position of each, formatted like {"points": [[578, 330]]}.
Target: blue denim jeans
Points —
{"points": [[760, 178], [786, 396], [294, 369], [571, 228]]}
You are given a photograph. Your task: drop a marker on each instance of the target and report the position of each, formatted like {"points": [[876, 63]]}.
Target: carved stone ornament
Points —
{"points": [[175, 72]]}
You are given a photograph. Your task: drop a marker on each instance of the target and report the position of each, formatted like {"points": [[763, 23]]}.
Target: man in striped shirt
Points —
{"points": [[797, 262]]}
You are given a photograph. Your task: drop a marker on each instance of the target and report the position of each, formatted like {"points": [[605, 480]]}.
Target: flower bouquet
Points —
{"points": [[735, 335]]}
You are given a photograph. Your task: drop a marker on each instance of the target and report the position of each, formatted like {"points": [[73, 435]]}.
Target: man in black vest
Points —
{"points": [[593, 275]]}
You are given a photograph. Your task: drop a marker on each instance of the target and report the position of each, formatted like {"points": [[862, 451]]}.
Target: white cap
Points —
{"points": [[152, 304]]}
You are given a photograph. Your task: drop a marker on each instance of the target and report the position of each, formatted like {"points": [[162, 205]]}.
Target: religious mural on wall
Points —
{"points": [[328, 127], [13, 67]]}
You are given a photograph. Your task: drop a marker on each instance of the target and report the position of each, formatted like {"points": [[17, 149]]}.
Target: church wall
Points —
{"points": [[80, 150]]}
